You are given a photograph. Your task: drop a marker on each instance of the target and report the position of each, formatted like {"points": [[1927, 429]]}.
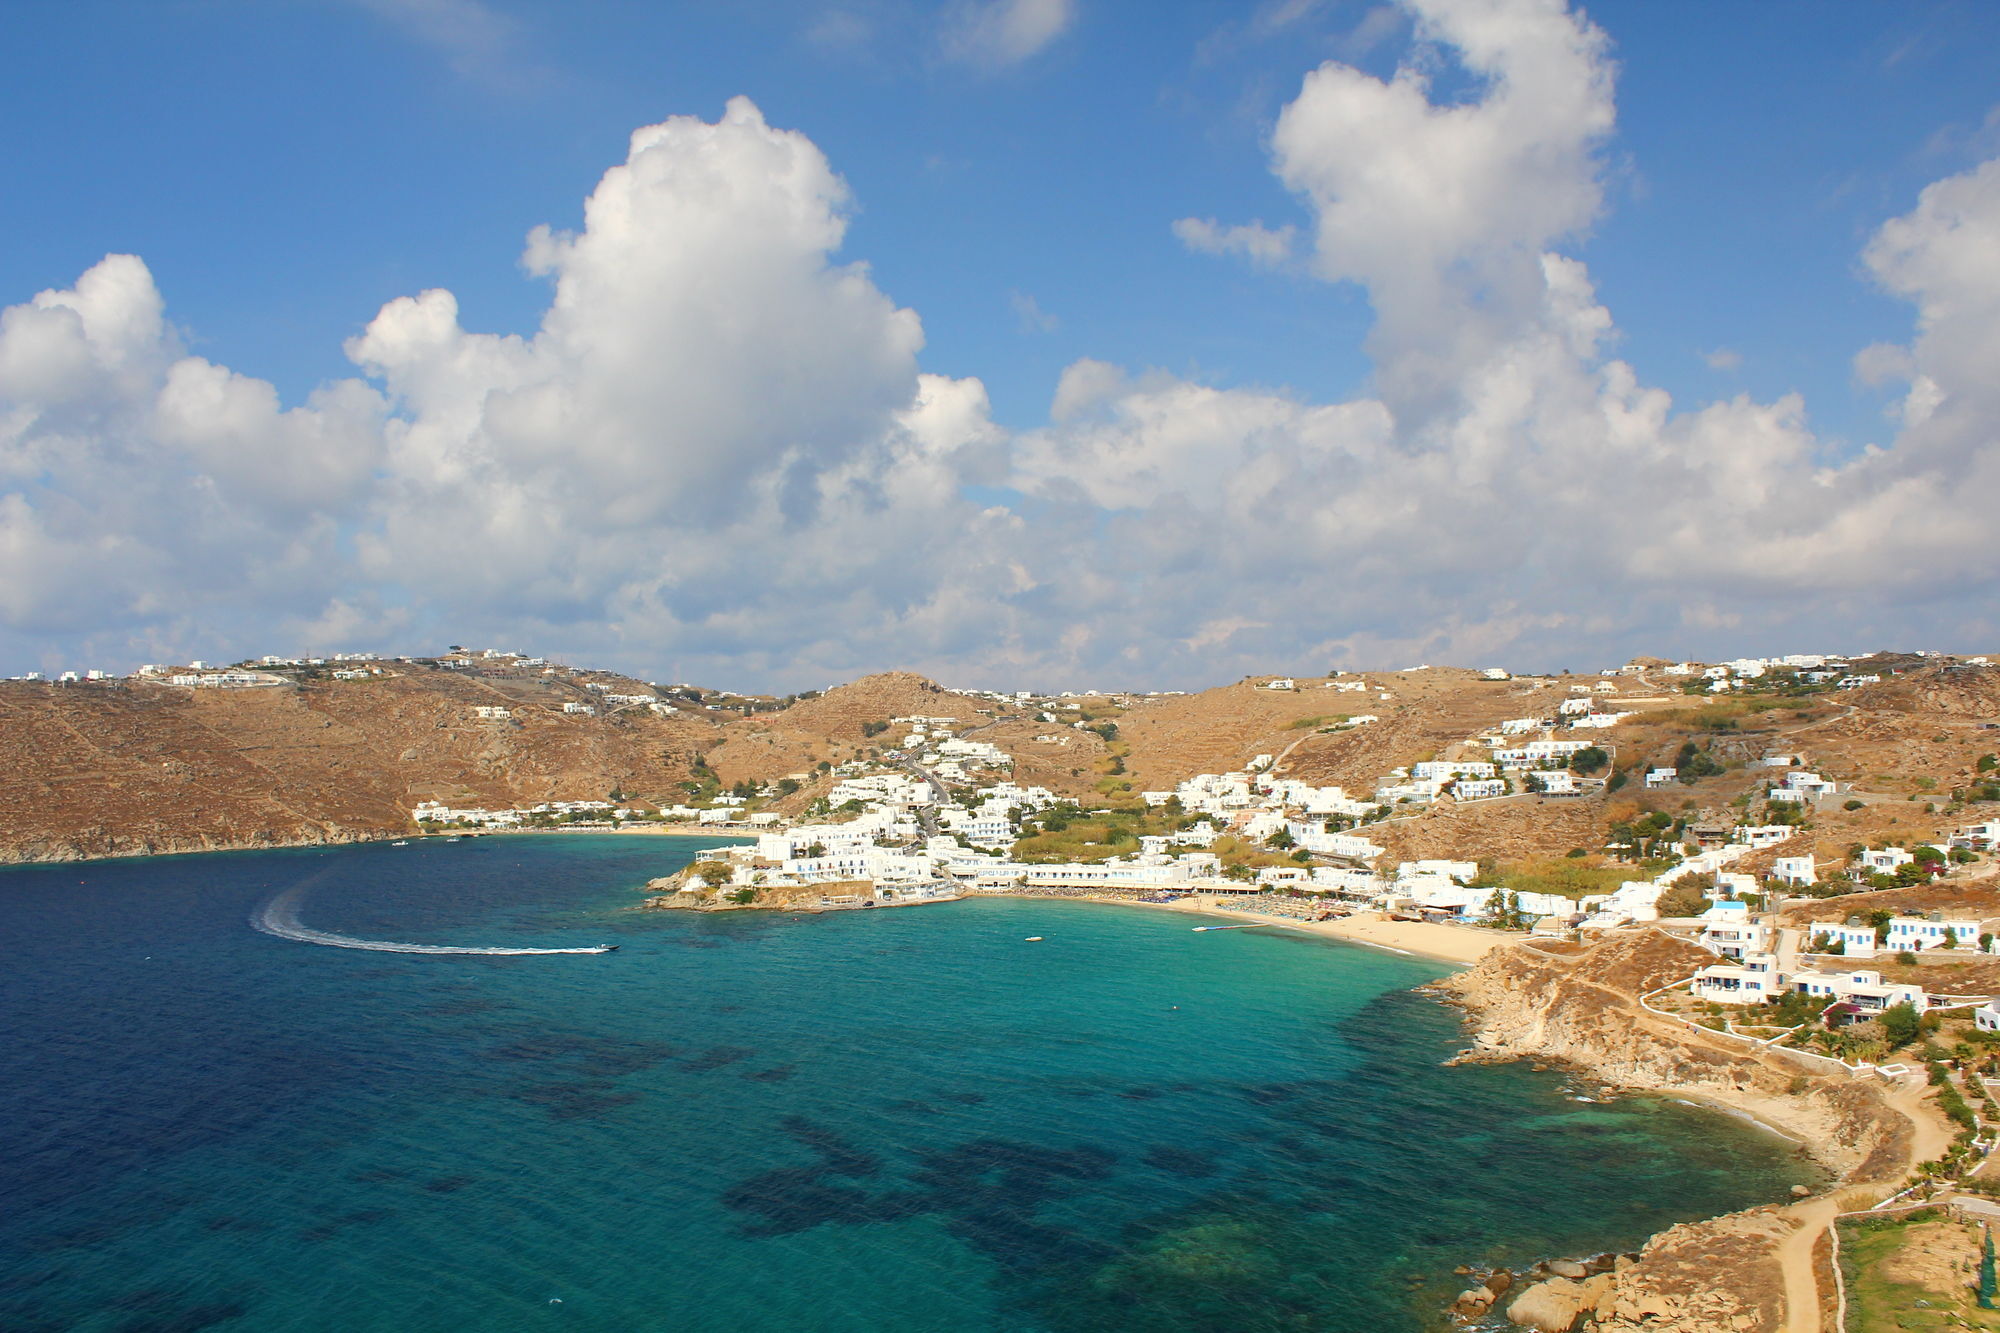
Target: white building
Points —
{"points": [[1727, 928], [1883, 860], [1932, 932], [1795, 870], [1556, 782], [1751, 979], [1864, 991]]}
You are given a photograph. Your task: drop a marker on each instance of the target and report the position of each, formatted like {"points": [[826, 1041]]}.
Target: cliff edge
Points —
{"points": [[1579, 1004]]}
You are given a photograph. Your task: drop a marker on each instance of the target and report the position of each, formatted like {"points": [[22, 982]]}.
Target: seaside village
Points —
{"points": [[937, 817]]}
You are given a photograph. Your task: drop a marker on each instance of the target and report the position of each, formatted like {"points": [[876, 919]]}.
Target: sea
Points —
{"points": [[883, 1121]]}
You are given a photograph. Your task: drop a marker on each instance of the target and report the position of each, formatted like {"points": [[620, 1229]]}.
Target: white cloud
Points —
{"points": [[1254, 241], [718, 454], [1004, 32], [140, 487], [1725, 359]]}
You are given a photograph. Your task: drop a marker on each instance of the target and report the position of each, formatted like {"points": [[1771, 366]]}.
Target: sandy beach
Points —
{"points": [[1459, 945], [654, 830]]}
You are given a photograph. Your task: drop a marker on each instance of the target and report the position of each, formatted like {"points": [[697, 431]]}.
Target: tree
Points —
{"points": [[1683, 900], [711, 872], [1900, 1024], [1589, 760], [1853, 805], [1950, 938], [1282, 840]]}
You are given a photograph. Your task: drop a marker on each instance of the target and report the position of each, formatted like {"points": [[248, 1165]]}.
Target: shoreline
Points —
{"points": [[608, 831], [1866, 1135], [9, 861], [1461, 946]]}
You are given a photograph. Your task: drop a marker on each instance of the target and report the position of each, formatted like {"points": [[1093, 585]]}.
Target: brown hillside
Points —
{"points": [[840, 712], [769, 746], [127, 768], [1520, 828]]}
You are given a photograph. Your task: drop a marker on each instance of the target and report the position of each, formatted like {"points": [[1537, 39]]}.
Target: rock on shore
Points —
{"points": [[1579, 1005]]}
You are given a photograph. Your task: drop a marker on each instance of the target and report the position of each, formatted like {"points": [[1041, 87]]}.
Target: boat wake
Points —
{"points": [[280, 917]]}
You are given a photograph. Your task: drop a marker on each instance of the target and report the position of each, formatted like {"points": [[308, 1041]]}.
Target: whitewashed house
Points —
{"points": [[1752, 979], [1864, 992], [1794, 870]]}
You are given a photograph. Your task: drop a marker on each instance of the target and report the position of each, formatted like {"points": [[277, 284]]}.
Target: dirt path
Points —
{"points": [[1796, 1261], [1797, 1253]]}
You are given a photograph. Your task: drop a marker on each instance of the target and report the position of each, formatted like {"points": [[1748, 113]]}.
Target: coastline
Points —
{"points": [[615, 830], [71, 855], [1765, 1264], [1460, 946]]}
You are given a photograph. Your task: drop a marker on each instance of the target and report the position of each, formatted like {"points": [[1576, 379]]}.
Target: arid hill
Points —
{"points": [[129, 768], [107, 768]]}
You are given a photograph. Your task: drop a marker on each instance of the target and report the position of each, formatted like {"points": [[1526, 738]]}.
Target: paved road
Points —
{"points": [[926, 815]]}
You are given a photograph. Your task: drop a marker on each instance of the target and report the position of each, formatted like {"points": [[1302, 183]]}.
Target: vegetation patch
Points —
{"points": [[1568, 876]]}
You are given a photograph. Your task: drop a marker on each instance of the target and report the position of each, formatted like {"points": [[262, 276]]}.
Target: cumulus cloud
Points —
{"points": [[1512, 487], [1004, 32], [142, 487], [718, 454]]}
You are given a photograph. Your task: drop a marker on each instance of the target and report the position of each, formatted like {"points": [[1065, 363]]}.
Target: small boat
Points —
{"points": [[399, 844], [1032, 939]]}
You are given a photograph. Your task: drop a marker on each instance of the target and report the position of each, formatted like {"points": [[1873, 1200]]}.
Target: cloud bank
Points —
{"points": [[718, 455]]}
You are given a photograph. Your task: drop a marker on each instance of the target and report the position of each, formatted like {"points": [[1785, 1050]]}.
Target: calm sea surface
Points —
{"points": [[882, 1121]]}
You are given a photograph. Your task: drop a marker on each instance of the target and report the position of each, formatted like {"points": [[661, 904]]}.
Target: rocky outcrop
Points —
{"points": [[1558, 1305], [678, 893], [1580, 1006], [1719, 1276]]}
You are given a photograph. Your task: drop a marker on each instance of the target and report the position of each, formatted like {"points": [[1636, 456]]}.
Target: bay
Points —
{"points": [[893, 1120]]}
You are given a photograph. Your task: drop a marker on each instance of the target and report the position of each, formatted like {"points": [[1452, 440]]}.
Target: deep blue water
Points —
{"points": [[887, 1121]]}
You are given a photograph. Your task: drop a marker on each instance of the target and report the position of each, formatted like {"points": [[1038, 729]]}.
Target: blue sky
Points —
{"points": [[287, 167]]}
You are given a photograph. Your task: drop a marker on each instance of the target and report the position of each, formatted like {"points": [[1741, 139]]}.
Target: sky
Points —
{"points": [[1048, 343]]}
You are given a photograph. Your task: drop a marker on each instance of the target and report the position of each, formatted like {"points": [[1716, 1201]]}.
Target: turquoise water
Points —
{"points": [[889, 1121]]}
